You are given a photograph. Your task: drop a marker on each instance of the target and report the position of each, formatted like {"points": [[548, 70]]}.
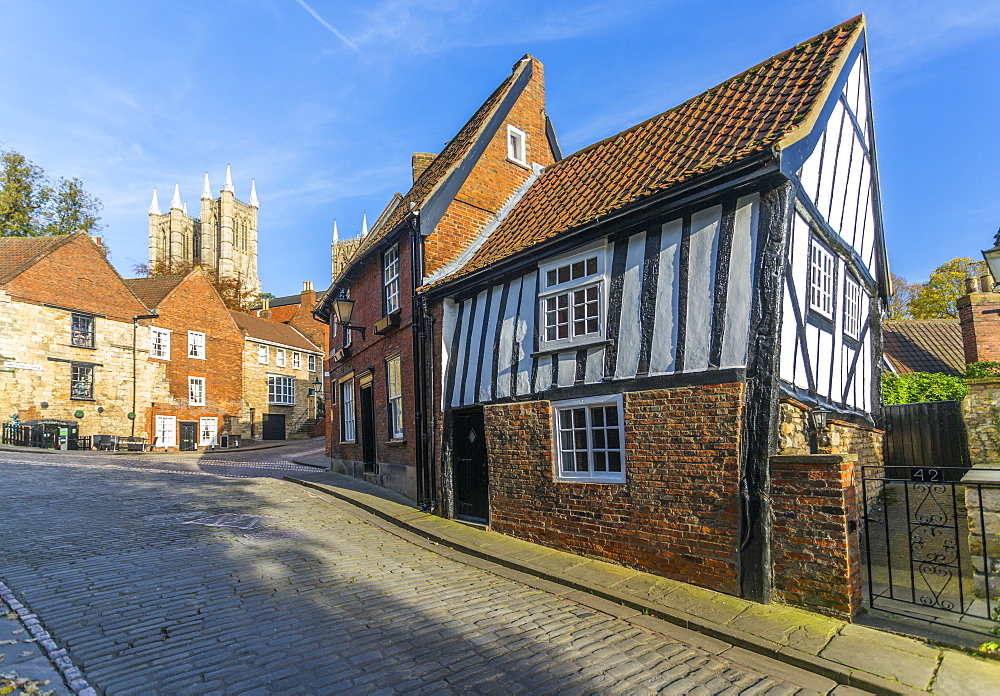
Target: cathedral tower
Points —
{"points": [[224, 238]]}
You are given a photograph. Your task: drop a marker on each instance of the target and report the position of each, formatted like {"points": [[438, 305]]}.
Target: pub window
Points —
{"points": [[81, 381], [82, 331]]}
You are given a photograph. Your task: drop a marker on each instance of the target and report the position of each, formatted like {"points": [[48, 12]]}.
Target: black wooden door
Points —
{"points": [[368, 428], [471, 473], [925, 436], [189, 436], [274, 426]]}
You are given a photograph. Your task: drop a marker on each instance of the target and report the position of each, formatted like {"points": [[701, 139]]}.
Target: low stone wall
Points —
{"points": [[815, 549], [981, 411]]}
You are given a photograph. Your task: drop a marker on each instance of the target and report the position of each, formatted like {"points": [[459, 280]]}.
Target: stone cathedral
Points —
{"points": [[224, 238]]}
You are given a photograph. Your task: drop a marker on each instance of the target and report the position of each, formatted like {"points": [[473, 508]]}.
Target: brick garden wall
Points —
{"points": [[815, 554], [676, 515]]}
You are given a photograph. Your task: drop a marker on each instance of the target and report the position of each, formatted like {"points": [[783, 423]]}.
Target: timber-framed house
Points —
{"points": [[656, 316]]}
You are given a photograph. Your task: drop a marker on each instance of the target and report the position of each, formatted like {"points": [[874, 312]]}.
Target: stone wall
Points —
{"points": [[840, 437], [981, 411], [255, 397], [677, 513]]}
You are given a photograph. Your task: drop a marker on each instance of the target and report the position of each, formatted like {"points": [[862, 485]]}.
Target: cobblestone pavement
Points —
{"points": [[132, 569]]}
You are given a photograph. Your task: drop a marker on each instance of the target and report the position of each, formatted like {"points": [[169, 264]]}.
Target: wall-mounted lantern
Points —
{"points": [[818, 419], [992, 257], [343, 310]]}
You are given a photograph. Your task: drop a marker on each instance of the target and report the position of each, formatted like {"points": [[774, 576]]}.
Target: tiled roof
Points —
{"points": [[766, 107], [437, 172], [273, 332], [19, 253], [931, 345], [152, 291]]}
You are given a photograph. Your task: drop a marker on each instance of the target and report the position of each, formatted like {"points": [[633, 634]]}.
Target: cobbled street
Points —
{"points": [[120, 560]]}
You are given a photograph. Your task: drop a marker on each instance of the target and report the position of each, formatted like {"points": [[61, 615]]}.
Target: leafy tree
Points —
{"points": [[234, 294], [31, 207], [936, 298], [917, 387], [982, 369], [902, 295]]}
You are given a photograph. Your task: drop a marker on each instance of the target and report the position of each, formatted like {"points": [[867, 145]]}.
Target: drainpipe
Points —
{"points": [[135, 326], [423, 416]]}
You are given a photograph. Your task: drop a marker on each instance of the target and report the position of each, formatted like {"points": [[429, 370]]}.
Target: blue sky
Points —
{"points": [[323, 102]]}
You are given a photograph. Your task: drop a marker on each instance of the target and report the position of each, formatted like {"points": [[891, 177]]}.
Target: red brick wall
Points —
{"points": [[979, 314], [815, 548], [194, 305], [676, 515], [494, 179], [77, 276], [370, 352]]}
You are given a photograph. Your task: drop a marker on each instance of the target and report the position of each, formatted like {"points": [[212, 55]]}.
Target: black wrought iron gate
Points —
{"points": [[928, 542]]}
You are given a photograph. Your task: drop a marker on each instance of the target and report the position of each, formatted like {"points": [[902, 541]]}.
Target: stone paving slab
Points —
{"points": [[856, 657]]}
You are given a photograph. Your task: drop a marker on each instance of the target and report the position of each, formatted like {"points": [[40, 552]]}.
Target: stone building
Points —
{"points": [[223, 239], [282, 380], [72, 347]]}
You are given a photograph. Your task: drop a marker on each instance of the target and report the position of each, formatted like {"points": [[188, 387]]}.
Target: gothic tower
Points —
{"points": [[224, 238]]}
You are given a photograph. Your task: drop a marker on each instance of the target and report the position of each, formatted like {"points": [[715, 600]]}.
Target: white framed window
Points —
{"points": [[297, 360], [81, 381], [159, 343], [209, 430], [572, 300], [196, 344], [394, 390], [390, 279], [312, 362], [516, 145], [196, 391], [263, 354], [589, 440], [852, 308], [281, 390], [166, 431], [821, 280], [347, 410], [82, 330], [279, 357]]}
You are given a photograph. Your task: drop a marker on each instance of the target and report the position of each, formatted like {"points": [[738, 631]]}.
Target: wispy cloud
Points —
{"points": [[329, 27]]}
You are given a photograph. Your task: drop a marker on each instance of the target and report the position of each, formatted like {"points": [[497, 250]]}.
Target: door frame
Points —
{"points": [[366, 404], [456, 416], [180, 436]]}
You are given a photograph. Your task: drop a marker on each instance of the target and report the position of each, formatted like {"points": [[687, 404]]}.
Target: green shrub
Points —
{"points": [[982, 369], [916, 387]]}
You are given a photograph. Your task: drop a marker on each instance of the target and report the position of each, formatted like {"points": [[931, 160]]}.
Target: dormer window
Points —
{"points": [[516, 148]]}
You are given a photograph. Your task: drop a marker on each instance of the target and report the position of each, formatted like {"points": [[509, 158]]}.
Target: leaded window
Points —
{"points": [[81, 381], [82, 331]]}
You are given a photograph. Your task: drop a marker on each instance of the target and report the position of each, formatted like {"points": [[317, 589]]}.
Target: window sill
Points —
{"points": [[272, 403], [73, 345], [198, 357], [522, 165], [348, 442], [388, 323], [570, 347], [342, 354], [620, 482], [82, 398], [395, 443]]}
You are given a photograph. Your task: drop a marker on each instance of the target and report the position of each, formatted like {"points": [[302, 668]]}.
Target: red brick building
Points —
{"points": [[201, 351], [386, 413]]}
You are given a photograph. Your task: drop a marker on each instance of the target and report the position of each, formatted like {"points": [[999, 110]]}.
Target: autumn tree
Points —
{"points": [[902, 295], [232, 290], [30, 206], [936, 298]]}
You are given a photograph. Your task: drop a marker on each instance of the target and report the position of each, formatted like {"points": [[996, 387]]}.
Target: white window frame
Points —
{"points": [[853, 304], [196, 345], [394, 393], [592, 449], [296, 360], [166, 437], [517, 145], [311, 362], [208, 431], [348, 431], [390, 279], [263, 354], [280, 390], [822, 269], [196, 391], [81, 381], [279, 357], [570, 289], [159, 350]]}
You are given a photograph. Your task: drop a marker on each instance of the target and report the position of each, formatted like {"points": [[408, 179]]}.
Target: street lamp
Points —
{"points": [[343, 310], [992, 257]]}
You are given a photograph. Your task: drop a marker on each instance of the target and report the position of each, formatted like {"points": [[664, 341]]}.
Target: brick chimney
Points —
{"points": [[979, 315], [265, 309], [308, 295], [421, 160]]}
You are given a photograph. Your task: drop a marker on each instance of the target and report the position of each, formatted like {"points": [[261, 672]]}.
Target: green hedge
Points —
{"points": [[915, 387]]}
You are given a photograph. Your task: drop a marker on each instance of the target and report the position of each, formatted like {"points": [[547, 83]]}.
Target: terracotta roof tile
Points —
{"points": [[759, 109], [273, 332], [931, 345], [20, 253], [152, 291]]}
